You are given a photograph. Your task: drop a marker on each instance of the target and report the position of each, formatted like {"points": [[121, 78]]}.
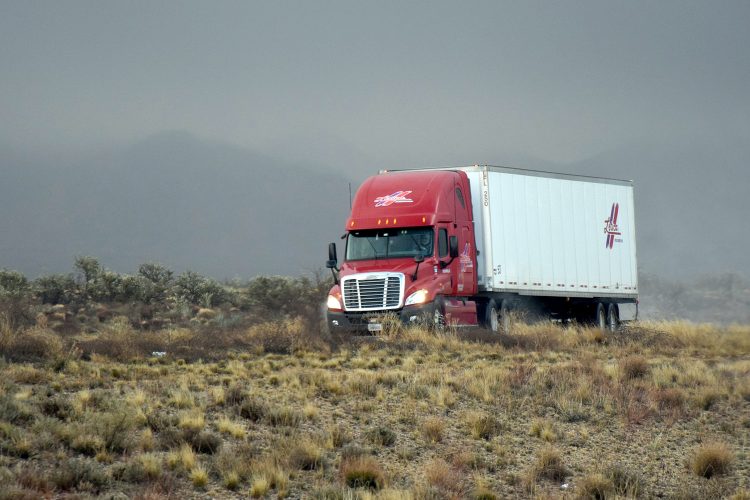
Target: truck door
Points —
{"points": [[466, 268]]}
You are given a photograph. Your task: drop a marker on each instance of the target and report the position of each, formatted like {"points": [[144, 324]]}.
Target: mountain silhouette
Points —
{"points": [[172, 198]]}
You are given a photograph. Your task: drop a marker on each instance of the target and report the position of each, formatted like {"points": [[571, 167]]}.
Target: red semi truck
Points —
{"points": [[469, 245]]}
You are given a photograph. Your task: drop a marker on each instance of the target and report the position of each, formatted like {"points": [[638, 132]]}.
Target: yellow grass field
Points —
{"points": [[661, 409]]}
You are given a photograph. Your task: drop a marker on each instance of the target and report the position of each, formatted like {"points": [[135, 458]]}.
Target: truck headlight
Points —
{"points": [[418, 297], [333, 303]]}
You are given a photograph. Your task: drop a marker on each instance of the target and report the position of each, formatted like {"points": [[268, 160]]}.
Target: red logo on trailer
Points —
{"points": [[397, 197], [610, 227]]}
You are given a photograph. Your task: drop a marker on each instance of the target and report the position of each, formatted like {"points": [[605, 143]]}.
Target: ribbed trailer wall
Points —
{"points": [[551, 234]]}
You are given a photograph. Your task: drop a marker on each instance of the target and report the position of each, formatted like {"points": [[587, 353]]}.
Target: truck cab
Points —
{"points": [[409, 251]]}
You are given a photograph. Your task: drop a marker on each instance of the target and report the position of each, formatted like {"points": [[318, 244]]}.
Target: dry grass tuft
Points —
{"points": [[259, 487], [228, 427], [625, 481], [184, 458], [433, 429], [305, 455], [711, 459], [338, 435], [544, 430], [595, 486], [193, 421], [32, 344], [633, 367], [199, 477], [362, 471], [548, 465], [448, 481], [482, 425]]}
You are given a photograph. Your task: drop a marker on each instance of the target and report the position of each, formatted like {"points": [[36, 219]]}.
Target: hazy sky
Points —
{"points": [[418, 82]]}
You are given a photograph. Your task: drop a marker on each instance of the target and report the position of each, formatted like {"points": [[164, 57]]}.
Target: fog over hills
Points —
{"points": [[691, 203], [172, 198], [227, 211]]}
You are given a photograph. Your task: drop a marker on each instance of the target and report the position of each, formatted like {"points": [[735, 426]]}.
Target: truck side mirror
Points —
{"points": [[332, 255], [419, 258], [332, 262], [453, 246]]}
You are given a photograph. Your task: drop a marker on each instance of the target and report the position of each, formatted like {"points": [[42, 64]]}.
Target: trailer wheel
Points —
{"points": [[491, 320], [600, 320], [497, 319], [613, 317]]}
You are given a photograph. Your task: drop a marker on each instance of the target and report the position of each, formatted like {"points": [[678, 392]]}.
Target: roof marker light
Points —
{"points": [[424, 219], [394, 220], [378, 222], [387, 221]]}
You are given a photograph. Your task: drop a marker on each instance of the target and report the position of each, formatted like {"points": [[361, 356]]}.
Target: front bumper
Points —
{"points": [[359, 321]]}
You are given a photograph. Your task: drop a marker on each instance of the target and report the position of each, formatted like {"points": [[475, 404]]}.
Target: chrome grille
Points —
{"points": [[372, 292]]}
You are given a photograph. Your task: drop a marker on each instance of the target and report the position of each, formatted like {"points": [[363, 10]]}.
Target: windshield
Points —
{"points": [[389, 243]]}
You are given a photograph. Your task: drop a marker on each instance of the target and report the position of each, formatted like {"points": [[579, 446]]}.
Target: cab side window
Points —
{"points": [[443, 243], [460, 197]]}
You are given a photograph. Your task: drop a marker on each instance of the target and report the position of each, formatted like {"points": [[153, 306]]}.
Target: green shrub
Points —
{"points": [[160, 279], [281, 295], [57, 406], [13, 284], [13, 412], [382, 436], [56, 289], [73, 472], [115, 430], [196, 289]]}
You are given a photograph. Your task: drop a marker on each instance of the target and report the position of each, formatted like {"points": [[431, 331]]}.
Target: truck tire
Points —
{"points": [[497, 319], [613, 317], [600, 319], [438, 314]]}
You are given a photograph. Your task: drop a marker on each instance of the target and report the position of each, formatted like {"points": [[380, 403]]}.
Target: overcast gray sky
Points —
{"points": [[416, 81]]}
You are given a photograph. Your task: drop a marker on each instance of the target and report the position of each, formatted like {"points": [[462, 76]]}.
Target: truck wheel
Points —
{"points": [[613, 317], [497, 319], [600, 320], [438, 314]]}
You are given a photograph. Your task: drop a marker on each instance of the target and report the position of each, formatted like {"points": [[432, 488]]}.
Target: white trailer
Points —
{"points": [[547, 234], [556, 238]]}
